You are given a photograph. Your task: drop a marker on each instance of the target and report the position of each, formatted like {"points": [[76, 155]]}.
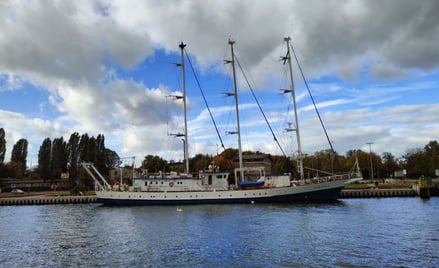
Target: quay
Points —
{"points": [[369, 193], [46, 200]]}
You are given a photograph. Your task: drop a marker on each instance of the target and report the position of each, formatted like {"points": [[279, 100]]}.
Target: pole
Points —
{"points": [[186, 149], [235, 92], [293, 96]]}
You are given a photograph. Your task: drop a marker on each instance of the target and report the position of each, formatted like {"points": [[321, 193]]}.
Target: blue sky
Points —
{"points": [[106, 67]]}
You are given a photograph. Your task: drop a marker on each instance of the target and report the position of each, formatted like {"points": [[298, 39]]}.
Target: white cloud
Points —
{"points": [[75, 51]]}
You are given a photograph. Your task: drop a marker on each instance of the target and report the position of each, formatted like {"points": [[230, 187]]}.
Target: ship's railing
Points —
{"points": [[324, 179]]}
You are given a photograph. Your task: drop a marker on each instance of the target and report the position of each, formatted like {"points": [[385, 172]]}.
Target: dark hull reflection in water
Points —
{"points": [[353, 232]]}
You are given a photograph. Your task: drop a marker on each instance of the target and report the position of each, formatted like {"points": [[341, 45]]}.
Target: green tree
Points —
{"points": [[44, 159], [415, 163], [112, 159], [390, 164], [431, 151], [154, 163], [100, 154], [83, 148], [2, 145], [91, 150], [19, 153], [73, 155], [59, 158], [363, 161]]}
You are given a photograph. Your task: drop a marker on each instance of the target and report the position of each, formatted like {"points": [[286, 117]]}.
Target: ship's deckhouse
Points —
{"points": [[205, 181]]}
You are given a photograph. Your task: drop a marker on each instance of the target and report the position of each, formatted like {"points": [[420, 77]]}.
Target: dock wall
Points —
{"points": [[368, 193], [46, 200]]}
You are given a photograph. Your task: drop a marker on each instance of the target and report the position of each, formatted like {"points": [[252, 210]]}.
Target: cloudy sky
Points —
{"points": [[106, 67]]}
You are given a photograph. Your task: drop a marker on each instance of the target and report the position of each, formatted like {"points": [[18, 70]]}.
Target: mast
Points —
{"points": [[293, 96], [235, 95], [185, 136]]}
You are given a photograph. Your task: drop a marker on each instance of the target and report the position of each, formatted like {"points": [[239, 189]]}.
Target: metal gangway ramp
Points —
{"points": [[100, 182]]}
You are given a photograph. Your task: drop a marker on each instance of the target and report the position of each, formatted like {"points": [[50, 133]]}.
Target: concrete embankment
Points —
{"points": [[46, 200], [367, 193]]}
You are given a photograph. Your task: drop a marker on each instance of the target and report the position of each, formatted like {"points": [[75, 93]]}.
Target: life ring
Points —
{"points": [[171, 184]]}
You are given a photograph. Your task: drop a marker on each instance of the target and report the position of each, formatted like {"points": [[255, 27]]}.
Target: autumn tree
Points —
{"points": [[281, 165], [200, 162]]}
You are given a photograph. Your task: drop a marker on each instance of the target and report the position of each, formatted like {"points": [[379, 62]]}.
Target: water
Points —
{"points": [[386, 232]]}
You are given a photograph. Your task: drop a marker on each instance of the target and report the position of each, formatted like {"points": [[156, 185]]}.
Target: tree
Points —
{"points": [[431, 151], [83, 145], [225, 160], [154, 163], [91, 150], [200, 162], [73, 154], [281, 165], [390, 164], [100, 154], [112, 159], [2, 145], [363, 161], [44, 159], [59, 158], [15, 169], [415, 163], [19, 153]]}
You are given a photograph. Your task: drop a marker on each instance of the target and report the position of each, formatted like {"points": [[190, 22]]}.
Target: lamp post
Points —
{"points": [[370, 157]]}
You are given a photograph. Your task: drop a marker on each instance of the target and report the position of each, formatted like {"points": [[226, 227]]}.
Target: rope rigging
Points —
{"points": [[205, 100], [315, 107], [260, 107]]}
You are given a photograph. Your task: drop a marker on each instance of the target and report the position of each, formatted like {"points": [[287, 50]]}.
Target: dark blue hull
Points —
{"points": [[315, 196]]}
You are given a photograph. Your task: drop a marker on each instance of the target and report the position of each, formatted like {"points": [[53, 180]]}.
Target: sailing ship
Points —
{"points": [[212, 186]]}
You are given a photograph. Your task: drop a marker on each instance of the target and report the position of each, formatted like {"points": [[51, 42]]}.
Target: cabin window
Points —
{"points": [[210, 180]]}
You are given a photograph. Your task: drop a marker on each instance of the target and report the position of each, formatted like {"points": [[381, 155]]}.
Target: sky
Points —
{"points": [[108, 67]]}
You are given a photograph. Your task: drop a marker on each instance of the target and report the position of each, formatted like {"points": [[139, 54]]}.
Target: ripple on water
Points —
{"points": [[353, 232]]}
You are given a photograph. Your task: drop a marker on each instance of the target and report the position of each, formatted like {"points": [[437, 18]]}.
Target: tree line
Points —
{"points": [[417, 162], [59, 156]]}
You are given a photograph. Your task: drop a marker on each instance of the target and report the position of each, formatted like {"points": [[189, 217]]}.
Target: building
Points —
{"points": [[255, 160], [124, 175]]}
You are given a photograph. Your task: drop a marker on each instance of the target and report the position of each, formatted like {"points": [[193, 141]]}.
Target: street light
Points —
{"points": [[370, 157]]}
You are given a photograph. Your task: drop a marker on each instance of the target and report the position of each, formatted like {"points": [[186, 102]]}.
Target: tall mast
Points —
{"points": [[185, 136], [296, 123], [235, 95]]}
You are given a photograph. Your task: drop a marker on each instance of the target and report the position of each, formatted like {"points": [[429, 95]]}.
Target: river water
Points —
{"points": [[386, 232]]}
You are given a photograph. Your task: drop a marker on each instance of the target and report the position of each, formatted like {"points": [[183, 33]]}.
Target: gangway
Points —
{"points": [[100, 182]]}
